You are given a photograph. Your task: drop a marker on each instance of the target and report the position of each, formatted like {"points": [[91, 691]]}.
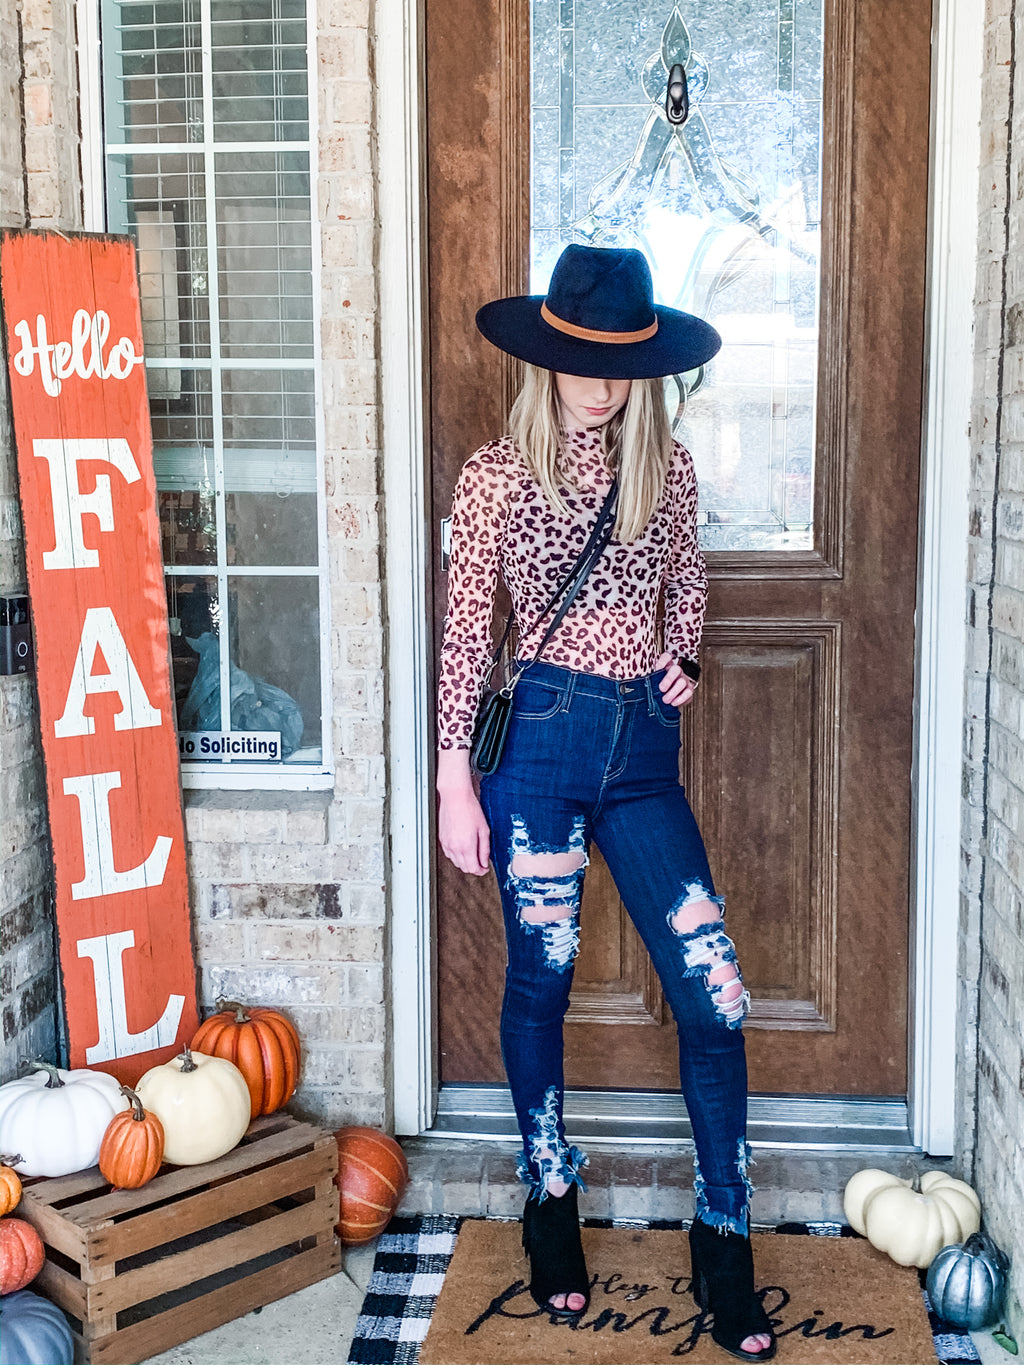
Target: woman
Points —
{"points": [[592, 749]]}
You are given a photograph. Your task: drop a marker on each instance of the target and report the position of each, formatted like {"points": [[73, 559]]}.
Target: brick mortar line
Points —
{"points": [[994, 540]]}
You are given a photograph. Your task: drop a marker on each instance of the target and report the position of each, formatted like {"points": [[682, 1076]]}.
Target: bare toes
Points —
{"points": [[574, 1302], [755, 1344]]}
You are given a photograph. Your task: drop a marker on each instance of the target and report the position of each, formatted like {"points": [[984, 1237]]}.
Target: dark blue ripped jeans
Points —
{"points": [[593, 758]]}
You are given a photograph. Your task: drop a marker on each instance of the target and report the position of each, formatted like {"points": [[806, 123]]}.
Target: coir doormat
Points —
{"points": [[833, 1298]]}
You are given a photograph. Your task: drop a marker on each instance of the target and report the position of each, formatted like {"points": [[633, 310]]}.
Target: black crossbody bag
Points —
{"points": [[491, 730]]}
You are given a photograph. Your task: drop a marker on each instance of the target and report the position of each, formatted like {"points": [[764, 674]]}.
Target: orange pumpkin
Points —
{"points": [[372, 1173], [10, 1185], [21, 1254], [132, 1149], [262, 1043]]}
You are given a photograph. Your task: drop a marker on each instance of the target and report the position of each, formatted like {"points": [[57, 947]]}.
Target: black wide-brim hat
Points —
{"points": [[599, 320]]}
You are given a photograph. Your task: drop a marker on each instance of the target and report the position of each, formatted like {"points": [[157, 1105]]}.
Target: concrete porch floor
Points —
{"points": [[315, 1325]]}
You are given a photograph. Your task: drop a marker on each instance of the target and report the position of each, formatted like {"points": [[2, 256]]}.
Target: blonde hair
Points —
{"points": [[637, 443]]}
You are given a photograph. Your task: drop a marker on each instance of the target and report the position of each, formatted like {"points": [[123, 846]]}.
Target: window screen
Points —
{"points": [[206, 113]]}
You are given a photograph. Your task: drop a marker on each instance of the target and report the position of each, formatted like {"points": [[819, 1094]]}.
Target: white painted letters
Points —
{"points": [[81, 356], [68, 501], [100, 630], [108, 975], [101, 879]]}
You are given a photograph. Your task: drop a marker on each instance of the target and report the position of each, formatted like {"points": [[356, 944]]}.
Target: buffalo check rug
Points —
{"points": [[485, 1316]]}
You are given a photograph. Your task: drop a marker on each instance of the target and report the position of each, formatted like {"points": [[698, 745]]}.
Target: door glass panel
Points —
{"points": [[726, 207]]}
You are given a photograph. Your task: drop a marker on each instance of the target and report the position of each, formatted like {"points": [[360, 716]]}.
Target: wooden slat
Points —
{"points": [[54, 1229], [327, 1192], [189, 1267], [181, 1179], [268, 1123], [97, 1323], [53, 1189], [159, 1333], [63, 1288], [117, 1241]]}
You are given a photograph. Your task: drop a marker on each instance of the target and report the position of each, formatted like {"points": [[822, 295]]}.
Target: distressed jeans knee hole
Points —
{"points": [[548, 884], [697, 922]]}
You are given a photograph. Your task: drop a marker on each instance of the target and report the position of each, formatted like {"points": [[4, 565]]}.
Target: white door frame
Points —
{"points": [[938, 710], [957, 45], [408, 571]]}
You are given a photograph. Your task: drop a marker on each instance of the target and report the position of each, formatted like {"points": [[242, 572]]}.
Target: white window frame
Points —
{"points": [[225, 776]]}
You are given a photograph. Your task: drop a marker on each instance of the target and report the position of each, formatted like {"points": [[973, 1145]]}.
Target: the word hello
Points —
{"points": [[82, 355]]}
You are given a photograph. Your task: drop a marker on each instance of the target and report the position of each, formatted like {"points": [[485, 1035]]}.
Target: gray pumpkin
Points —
{"points": [[966, 1283]]}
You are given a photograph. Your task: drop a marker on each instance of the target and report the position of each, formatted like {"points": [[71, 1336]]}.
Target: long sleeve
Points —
{"points": [[479, 515], [686, 579]]}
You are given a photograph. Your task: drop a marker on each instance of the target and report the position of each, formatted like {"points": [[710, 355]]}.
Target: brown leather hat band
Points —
{"points": [[589, 334]]}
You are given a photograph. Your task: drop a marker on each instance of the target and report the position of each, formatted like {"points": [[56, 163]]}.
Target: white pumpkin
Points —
{"points": [[860, 1188], [202, 1102], [56, 1119], [911, 1226]]}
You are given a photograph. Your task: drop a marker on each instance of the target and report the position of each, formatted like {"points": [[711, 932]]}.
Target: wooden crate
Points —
{"points": [[143, 1270]]}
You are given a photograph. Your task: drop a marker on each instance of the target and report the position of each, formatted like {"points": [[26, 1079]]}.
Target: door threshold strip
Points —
{"points": [[826, 1123]]}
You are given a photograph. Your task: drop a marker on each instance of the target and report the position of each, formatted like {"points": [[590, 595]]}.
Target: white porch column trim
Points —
{"points": [[407, 541], [957, 39]]}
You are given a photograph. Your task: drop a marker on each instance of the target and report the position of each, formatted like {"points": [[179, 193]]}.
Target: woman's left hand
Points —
{"points": [[676, 688]]}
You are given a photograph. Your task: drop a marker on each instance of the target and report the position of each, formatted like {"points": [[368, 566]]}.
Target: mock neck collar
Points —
{"points": [[582, 458], [581, 436]]}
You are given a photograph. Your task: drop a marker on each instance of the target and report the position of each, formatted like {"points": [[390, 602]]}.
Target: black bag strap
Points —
{"points": [[570, 584]]}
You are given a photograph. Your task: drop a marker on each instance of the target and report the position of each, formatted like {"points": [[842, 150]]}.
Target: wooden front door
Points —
{"points": [[796, 753]]}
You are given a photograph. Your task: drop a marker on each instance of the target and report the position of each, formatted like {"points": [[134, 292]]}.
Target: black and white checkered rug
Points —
{"points": [[413, 1255]]}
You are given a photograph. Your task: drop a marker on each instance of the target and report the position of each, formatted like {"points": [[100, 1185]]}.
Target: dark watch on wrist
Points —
{"points": [[691, 669]]}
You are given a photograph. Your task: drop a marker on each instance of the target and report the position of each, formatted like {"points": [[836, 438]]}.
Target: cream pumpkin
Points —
{"points": [[911, 1225], [864, 1186], [202, 1102]]}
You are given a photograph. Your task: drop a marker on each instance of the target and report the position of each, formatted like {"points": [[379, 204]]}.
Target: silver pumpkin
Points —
{"points": [[966, 1284]]}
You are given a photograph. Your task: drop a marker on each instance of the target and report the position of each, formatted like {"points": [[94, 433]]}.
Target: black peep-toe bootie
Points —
{"points": [[551, 1239], [722, 1266]]}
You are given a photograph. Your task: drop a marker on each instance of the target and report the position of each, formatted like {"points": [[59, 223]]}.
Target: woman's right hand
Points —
{"points": [[462, 830]]}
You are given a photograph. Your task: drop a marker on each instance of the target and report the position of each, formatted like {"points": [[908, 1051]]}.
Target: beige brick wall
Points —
{"points": [[289, 908], [990, 1113], [39, 187], [50, 102]]}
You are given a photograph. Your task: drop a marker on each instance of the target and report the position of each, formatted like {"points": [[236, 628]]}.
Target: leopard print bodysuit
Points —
{"points": [[502, 522]]}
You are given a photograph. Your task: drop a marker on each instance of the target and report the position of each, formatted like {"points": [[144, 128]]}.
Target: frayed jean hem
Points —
{"points": [[572, 1164], [723, 1222]]}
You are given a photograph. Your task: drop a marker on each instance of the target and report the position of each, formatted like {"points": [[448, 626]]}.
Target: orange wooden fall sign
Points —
{"points": [[88, 499]]}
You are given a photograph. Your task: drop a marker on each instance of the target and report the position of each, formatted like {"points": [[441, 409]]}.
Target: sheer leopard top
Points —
{"points": [[503, 523]]}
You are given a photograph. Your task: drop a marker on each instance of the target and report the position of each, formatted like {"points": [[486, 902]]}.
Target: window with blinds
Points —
{"points": [[206, 125]]}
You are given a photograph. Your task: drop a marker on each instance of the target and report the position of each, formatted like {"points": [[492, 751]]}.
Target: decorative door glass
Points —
{"points": [[726, 207]]}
